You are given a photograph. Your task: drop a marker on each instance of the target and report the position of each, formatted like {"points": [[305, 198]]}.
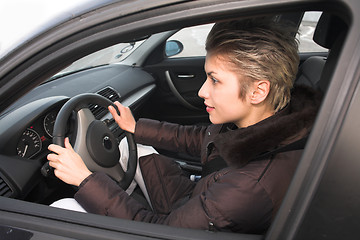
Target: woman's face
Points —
{"points": [[221, 93]]}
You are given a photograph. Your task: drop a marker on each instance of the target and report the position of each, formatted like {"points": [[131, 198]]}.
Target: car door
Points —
{"points": [[178, 66]]}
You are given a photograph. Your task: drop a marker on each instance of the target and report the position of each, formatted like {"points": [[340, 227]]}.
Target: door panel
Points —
{"points": [[176, 99]]}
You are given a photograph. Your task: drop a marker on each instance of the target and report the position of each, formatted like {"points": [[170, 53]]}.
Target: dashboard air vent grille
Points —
{"points": [[110, 94], [5, 190]]}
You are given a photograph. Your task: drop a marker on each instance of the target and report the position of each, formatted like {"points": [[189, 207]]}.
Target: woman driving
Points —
{"points": [[249, 153]]}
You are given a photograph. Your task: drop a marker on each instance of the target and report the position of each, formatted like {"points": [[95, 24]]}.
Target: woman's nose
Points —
{"points": [[203, 92]]}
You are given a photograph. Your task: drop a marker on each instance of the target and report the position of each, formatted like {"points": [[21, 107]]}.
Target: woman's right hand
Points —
{"points": [[125, 120], [68, 165]]}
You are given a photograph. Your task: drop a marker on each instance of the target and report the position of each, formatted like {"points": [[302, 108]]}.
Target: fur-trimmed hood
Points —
{"points": [[238, 147]]}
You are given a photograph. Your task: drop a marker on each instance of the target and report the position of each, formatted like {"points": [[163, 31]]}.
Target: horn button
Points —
{"points": [[102, 144]]}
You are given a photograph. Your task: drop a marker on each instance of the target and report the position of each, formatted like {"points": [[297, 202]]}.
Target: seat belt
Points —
{"points": [[297, 145], [218, 163]]}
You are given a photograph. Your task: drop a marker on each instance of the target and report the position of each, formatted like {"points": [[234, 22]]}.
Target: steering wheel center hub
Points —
{"points": [[107, 143], [102, 144]]}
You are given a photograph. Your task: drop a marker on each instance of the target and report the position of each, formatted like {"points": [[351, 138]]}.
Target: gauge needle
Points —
{"points": [[26, 148]]}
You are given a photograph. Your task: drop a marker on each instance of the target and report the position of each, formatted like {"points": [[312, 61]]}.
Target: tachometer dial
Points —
{"points": [[29, 144], [49, 122]]}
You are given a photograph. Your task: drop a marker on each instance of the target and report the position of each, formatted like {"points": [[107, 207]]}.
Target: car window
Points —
{"points": [[306, 33], [193, 38]]}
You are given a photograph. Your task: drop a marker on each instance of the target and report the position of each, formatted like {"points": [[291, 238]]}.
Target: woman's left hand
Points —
{"points": [[68, 165], [125, 120]]}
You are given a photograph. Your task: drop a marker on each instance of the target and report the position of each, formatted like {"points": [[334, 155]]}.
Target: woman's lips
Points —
{"points": [[209, 108]]}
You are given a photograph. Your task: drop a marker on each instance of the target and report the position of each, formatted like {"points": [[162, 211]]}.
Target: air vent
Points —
{"points": [[5, 190], [110, 94]]}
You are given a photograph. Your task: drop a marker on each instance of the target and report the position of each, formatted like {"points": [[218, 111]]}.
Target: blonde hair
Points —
{"points": [[259, 49]]}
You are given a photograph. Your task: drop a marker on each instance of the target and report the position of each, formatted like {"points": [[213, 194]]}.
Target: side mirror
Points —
{"points": [[173, 47]]}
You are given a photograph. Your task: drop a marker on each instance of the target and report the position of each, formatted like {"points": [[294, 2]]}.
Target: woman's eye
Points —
{"points": [[214, 80]]}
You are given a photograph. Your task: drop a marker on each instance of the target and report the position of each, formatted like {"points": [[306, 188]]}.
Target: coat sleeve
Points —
{"points": [[169, 136], [221, 205]]}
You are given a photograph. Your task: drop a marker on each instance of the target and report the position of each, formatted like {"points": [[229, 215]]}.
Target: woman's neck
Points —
{"points": [[256, 115]]}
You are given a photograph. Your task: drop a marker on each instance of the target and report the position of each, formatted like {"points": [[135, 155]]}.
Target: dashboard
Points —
{"points": [[26, 127]]}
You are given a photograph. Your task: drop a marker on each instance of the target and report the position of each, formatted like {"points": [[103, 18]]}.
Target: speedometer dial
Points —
{"points": [[29, 144], [49, 122]]}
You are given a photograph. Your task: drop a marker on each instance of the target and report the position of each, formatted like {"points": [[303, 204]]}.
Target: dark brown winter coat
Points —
{"points": [[241, 197]]}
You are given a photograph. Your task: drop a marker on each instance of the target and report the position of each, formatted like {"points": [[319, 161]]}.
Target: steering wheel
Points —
{"points": [[94, 141]]}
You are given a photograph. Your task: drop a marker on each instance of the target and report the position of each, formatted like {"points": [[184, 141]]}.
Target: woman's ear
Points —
{"points": [[260, 91]]}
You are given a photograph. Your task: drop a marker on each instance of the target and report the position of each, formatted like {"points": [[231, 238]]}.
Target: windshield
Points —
{"points": [[114, 54]]}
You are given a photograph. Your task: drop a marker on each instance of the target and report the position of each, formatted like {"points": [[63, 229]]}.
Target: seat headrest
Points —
{"points": [[328, 29]]}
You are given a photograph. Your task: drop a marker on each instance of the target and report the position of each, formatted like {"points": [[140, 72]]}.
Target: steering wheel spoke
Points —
{"points": [[84, 118]]}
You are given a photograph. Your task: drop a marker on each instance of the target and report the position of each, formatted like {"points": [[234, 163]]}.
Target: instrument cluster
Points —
{"points": [[36, 137]]}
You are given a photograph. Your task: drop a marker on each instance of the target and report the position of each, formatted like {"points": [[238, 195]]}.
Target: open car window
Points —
{"points": [[193, 38], [306, 33]]}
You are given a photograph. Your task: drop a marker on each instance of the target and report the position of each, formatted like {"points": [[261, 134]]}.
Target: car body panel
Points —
{"points": [[302, 215], [322, 143]]}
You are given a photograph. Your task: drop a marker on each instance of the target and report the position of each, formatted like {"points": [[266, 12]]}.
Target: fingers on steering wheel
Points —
{"points": [[113, 112], [121, 107], [52, 163], [53, 160], [55, 148], [118, 104], [67, 143]]}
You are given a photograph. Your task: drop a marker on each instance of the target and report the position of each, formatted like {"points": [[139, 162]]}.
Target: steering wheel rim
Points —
{"points": [[87, 128]]}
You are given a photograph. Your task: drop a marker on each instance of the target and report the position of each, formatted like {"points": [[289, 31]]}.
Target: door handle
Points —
{"points": [[176, 93], [186, 76]]}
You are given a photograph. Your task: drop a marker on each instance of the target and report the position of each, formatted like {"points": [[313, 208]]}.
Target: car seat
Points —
{"points": [[316, 71]]}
